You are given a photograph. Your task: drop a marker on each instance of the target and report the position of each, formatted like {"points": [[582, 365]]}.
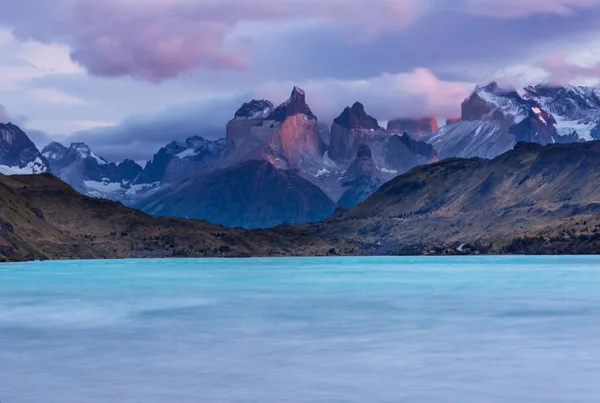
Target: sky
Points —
{"points": [[129, 76]]}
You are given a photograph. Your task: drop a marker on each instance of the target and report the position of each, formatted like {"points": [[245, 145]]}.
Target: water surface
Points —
{"points": [[473, 329]]}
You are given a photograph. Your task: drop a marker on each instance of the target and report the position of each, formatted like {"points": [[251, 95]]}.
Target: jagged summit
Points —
{"points": [[355, 117], [18, 154], [255, 109], [295, 105]]}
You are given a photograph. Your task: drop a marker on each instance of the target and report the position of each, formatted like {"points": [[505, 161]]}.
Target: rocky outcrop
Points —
{"points": [[18, 154], [361, 179], [288, 137], [493, 120], [350, 130], [415, 128]]}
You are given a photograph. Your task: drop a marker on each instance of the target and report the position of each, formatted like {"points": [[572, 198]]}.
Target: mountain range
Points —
{"points": [[533, 199], [281, 165]]}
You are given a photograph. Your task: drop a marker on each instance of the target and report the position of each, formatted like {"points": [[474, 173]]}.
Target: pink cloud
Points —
{"points": [[415, 94], [524, 8], [161, 39], [562, 72]]}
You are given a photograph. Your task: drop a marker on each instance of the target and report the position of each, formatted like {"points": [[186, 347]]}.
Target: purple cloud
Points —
{"points": [[524, 8], [4, 117], [161, 39]]}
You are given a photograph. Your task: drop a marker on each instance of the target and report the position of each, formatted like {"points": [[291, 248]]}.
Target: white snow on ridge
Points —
{"points": [[186, 153], [322, 172], [104, 187], [34, 167], [506, 105]]}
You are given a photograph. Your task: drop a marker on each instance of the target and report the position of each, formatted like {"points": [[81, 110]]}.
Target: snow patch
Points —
{"points": [[34, 167], [322, 172], [389, 171]]}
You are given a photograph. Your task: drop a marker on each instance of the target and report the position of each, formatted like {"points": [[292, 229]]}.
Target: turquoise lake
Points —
{"points": [[468, 329]]}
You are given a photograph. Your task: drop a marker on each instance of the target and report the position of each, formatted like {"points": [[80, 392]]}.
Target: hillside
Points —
{"points": [[41, 217], [533, 199]]}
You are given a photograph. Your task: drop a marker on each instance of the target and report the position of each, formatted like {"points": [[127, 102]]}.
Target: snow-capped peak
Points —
{"points": [[83, 151]]}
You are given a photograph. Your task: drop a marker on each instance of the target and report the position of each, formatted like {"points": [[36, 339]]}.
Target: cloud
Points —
{"points": [[4, 117], [524, 8], [418, 93], [414, 94], [161, 39], [55, 96], [140, 136]]}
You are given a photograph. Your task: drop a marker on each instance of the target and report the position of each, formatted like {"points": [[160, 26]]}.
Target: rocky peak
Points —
{"points": [[54, 150], [493, 102], [18, 154], [129, 170], [83, 151], [355, 117], [416, 128], [577, 108], [255, 109], [295, 105]]}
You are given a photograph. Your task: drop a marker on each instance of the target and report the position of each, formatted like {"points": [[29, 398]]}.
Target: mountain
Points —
{"points": [[44, 218], [264, 176], [281, 148], [361, 179], [253, 194], [18, 154], [532, 199], [92, 175], [179, 160], [392, 153], [576, 109], [415, 128], [493, 120]]}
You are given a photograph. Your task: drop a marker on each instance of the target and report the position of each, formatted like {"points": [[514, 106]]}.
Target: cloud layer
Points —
{"points": [[162, 39], [143, 73]]}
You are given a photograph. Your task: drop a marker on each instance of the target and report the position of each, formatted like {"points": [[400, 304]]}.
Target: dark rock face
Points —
{"points": [[18, 154], [296, 105], [415, 128], [596, 132], [253, 194], [350, 130], [355, 117], [404, 153], [129, 170], [536, 128], [255, 109], [354, 128], [361, 179]]}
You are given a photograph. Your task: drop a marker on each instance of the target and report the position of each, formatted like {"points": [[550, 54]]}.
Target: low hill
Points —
{"points": [[41, 217], [533, 199]]}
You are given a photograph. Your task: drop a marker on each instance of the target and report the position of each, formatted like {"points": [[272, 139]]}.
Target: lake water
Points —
{"points": [[472, 329]]}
